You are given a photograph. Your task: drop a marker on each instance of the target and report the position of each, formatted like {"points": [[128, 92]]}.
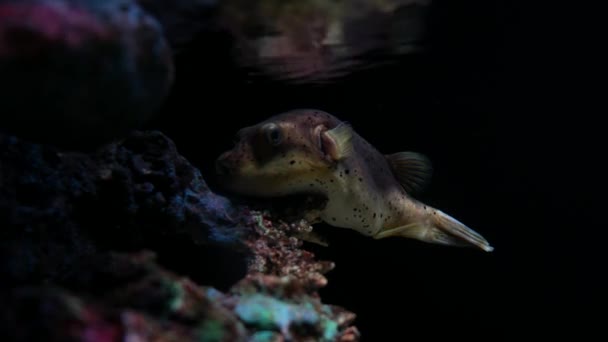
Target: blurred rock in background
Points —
{"points": [[317, 41], [78, 73]]}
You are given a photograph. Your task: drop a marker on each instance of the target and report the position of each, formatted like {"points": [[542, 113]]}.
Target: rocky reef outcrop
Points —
{"points": [[130, 242], [107, 233]]}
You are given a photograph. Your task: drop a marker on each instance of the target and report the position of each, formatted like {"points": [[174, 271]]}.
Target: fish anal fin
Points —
{"points": [[412, 170], [413, 230]]}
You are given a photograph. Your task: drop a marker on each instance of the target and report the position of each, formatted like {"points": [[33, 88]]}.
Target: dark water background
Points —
{"points": [[510, 148]]}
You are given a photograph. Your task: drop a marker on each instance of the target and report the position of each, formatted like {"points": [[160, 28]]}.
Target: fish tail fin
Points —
{"points": [[457, 233], [439, 228]]}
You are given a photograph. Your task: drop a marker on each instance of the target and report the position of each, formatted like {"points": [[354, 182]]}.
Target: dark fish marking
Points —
{"points": [[292, 162]]}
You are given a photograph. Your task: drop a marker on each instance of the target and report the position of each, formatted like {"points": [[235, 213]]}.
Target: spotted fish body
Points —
{"points": [[364, 194], [310, 151]]}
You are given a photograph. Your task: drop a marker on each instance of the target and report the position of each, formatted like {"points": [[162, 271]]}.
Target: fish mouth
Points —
{"points": [[230, 173], [227, 165], [226, 176], [222, 168]]}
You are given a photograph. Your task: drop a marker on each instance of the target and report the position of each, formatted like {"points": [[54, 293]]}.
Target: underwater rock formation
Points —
{"points": [[129, 242], [79, 73], [112, 240]]}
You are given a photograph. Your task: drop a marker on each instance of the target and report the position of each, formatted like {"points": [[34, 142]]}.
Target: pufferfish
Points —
{"points": [[308, 151]]}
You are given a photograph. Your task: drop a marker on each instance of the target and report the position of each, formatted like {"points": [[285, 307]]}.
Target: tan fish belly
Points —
{"points": [[355, 202]]}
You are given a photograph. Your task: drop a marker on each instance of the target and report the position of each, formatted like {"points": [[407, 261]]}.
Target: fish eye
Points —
{"points": [[273, 134]]}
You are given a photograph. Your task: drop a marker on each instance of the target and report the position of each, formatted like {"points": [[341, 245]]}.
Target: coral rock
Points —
{"points": [[79, 73], [129, 243]]}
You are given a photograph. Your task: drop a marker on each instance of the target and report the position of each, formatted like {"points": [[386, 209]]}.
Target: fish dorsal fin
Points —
{"points": [[337, 142], [413, 170]]}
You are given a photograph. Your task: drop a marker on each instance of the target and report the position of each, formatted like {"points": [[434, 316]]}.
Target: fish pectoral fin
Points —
{"points": [[441, 229], [337, 141], [412, 170]]}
